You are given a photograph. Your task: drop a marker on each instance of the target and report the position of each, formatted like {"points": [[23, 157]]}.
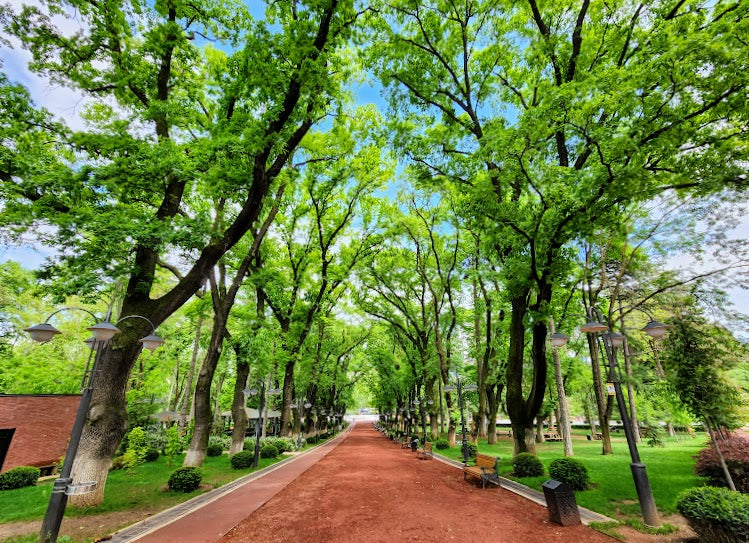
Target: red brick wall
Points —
{"points": [[43, 424]]}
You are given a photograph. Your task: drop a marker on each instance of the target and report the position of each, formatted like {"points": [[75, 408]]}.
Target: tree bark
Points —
{"points": [[634, 422], [565, 427], [602, 399], [191, 374], [724, 467]]}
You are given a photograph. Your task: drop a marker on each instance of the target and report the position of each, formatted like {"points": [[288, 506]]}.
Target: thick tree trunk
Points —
{"points": [[239, 415], [589, 416], [288, 396], [106, 422], [540, 430], [493, 396], [202, 398]]}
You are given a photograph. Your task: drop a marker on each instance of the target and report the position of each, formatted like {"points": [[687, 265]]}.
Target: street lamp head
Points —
{"points": [[559, 340], [656, 329], [417, 402], [151, 342], [616, 339], [42, 333], [250, 391], [90, 343], [591, 327], [430, 402], [307, 405], [104, 331]]}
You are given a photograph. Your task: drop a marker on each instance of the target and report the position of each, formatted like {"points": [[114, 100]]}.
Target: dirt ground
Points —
{"points": [[80, 528], [370, 490]]}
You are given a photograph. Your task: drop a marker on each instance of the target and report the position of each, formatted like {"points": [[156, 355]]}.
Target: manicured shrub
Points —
{"points": [[152, 455], [214, 449], [735, 451], [311, 440], [527, 465], [137, 446], [571, 472], [185, 479], [442, 444], [718, 515], [174, 444], [268, 451], [282, 444], [249, 444], [242, 460], [19, 477]]}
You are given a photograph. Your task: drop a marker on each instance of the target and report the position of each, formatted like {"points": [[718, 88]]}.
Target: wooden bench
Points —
{"points": [[426, 451], [552, 437], [486, 470]]}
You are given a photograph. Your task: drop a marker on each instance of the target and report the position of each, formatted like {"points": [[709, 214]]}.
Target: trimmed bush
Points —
{"points": [[185, 479], [735, 451], [242, 460], [718, 515], [268, 451], [311, 440], [19, 477], [151, 455], [214, 449], [442, 444], [282, 444], [571, 472], [249, 444], [527, 465]]}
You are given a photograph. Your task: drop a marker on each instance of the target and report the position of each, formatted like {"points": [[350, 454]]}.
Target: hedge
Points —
{"points": [[718, 515], [19, 477]]}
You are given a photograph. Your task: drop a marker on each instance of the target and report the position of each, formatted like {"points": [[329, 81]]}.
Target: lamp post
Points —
{"points": [[102, 331], [298, 406], [611, 341], [259, 420], [425, 401], [461, 389]]}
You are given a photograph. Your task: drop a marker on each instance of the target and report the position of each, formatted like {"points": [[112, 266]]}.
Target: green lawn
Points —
{"points": [[669, 469], [138, 488]]}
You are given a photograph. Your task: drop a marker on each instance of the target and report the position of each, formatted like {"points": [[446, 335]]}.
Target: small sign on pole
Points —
{"points": [[81, 488], [611, 389]]}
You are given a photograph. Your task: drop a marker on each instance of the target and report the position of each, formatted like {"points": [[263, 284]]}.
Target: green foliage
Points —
{"points": [[249, 444], [696, 356], [282, 444], [119, 462], [174, 444], [653, 435], [570, 471], [137, 447], [527, 465], [19, 477], [214, 449], [311, 440], [472, 449], [268, 451], [442, 444], [185, 479], [718, 515], [242, 460]]}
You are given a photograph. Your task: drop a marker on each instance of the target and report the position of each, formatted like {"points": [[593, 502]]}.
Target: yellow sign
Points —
{"points": [[611, 389]]}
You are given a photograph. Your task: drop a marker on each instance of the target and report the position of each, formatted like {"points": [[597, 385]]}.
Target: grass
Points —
{"points": [[139, 488], [669, 468]]}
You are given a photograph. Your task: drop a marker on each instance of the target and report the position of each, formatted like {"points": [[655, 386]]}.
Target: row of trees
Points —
{"points": [[222, 159]]}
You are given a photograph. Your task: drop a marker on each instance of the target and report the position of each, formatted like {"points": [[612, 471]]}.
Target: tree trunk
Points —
{"points": [[106, 421], [238, 413], [602, 399], [202, 399], [565, 427], [722, 460], [288, 396], [540, 430], [589, 416], [191, 374], [493, 395]]}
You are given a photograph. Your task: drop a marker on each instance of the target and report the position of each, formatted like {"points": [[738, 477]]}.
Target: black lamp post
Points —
{"points": [[259, 419], [461, 389], [101, 333], [611, 341]]}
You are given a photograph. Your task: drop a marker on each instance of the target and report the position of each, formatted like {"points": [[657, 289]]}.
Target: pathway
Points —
{"points": [[370, 490]]}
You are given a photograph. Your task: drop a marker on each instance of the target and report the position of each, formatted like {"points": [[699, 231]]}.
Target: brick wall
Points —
{"points": [[43, 424]]}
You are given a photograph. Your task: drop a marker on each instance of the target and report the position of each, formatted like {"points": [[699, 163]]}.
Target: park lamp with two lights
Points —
{"points": [[613, 340], [102, 332]]}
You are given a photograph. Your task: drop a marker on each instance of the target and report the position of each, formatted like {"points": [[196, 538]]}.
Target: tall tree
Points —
{"points": [[184, 118], [604, 104]]}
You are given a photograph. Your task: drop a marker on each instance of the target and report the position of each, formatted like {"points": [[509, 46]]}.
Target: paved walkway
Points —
{"points": [[359, 487]]}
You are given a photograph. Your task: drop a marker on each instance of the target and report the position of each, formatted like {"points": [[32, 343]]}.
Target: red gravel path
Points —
{"points": [[369, 489]]}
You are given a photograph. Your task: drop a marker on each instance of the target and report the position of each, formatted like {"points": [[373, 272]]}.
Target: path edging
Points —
{"points": [[176, 512]]}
